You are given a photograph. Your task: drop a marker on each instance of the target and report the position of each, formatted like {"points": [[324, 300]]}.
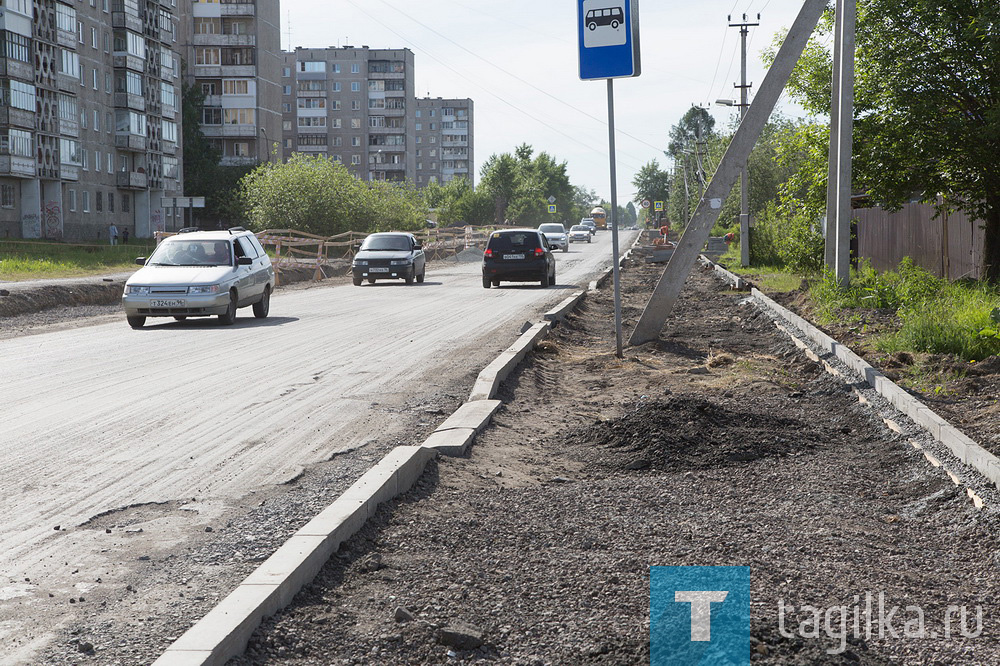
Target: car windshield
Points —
{"points": [[394, 243], [579, 227], [185, 252], [552, 229]]}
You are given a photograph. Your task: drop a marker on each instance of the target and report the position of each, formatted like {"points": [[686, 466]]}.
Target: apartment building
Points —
{"points": [[444, 131], [233, 51], [89, 127], [354, 105]]}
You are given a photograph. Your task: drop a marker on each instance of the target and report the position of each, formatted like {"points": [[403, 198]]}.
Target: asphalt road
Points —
{"points": [[100, 418]]}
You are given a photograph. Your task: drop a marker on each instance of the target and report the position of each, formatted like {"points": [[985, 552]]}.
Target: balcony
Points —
{"points": [[208, 71], [130, 141], [168, 111], [128, 21], [15, 69], [67, 40], [385, 76], [69, 127], [238, 9], [235, 71], [169, 148], [131, 180], [225, 40], [17, 117], [69, 172], [123, 60], [311, 93], [220, 131], [395, 113], [127, 101], [238, 161], [454, 144], [67, 82], [18, 167]]}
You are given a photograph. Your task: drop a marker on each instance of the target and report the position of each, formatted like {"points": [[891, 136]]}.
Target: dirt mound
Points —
{"points": [[691, 433], [34, 300]]}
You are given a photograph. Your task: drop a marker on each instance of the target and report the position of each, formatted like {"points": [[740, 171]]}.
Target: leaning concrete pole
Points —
{"points": [[696, 234]]}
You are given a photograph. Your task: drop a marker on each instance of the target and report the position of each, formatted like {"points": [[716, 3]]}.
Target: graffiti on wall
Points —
{"points": [[31, 225], [53, 220]]}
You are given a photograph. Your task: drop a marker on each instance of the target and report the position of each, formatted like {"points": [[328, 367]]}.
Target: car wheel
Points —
{"points": [[136, 321], [486, 282], [589, 240], [229, 318], [552, 279], [566, 247], [261, 307], [409, 278], [180, 317], [371, 280], [496, 283], [357, 282], [420, 278], [544, 281]]}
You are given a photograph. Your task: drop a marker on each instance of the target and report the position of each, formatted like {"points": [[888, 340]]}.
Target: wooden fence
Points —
{"points": [[948, 246]]}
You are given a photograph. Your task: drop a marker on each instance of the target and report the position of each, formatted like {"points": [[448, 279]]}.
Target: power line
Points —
{"points": [[514, 76]]}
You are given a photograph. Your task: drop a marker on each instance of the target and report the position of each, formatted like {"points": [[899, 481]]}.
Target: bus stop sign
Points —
{"points": [[609, 38]]}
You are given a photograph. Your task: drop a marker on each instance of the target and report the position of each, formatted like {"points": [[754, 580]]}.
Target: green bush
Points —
{"points": [[791, 241]]}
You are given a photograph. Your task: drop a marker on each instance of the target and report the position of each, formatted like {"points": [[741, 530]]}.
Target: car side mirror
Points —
{"points": [[141, 261], [417, 246], [244, 261]]}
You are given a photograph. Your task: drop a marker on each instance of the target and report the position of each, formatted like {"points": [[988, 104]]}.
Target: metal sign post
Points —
{"points": [[608, 32]]}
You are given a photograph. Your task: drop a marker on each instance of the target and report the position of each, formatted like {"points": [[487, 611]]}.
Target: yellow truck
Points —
{"points": [[600, 217]]}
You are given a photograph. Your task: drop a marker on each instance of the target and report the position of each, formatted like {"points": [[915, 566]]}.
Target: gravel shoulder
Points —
{"points": [[719, 444]]}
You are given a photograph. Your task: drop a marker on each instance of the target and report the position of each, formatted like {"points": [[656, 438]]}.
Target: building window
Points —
{"points": [[72, 199], [126, 203], [286, 107], [286, 125], [355, 159], [355, 141], [355, 105], [97, 120], [86, 201], [286, 72], [312, 66], [111, 202], [99, 202], [355, 123], [241, 149], [355, 68], [336, 86], [286, 90], [111, 163], [335, 68], [7, 196], [355, 86]]}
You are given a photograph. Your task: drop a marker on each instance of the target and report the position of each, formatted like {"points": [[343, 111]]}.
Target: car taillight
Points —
{"points": [[539, 252], [488, 253]]}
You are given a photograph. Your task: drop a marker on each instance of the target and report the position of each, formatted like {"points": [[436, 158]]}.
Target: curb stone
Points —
{"points": [[958, 444]]}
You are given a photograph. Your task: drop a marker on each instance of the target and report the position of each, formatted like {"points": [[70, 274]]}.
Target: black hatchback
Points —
{"points": [[518, 255]]}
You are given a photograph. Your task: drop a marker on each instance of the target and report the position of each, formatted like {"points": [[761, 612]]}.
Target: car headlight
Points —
{"points": [[204, 289], [134, 290], [400, 262], [360, 262]]}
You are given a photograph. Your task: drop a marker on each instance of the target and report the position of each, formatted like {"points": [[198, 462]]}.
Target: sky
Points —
{"points": [[518, 61]]}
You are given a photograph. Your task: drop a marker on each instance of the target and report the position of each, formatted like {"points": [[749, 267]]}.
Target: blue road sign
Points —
{"points": [[609, 38]]}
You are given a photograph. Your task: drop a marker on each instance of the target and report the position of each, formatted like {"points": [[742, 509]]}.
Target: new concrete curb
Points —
{"points": [[961, 446], [490, 378], [453, 437], [225, 631], [738, 283], [559, 312]]}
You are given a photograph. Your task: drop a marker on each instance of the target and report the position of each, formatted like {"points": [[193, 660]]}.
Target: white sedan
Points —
{"points": [[579, 232]]}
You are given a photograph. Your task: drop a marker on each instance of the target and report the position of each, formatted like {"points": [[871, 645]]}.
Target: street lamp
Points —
{"points": [[267, 149], [744, 188]]}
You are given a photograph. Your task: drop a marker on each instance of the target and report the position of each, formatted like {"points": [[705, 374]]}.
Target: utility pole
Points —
{"points": [[838, 192], [683, 258], [744, 175]]}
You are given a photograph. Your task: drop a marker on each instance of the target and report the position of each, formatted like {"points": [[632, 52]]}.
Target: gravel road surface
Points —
{"points": [[720, 444], [147, 472]]}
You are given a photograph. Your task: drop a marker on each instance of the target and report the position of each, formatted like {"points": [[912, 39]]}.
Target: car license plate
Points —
{"points": [[513, 256], [173, 303], [378, 269]]}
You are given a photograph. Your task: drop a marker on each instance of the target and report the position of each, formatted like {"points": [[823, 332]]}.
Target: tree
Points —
{"points": [[320, 196], [926, 116], [520, 185], [651, 183]]}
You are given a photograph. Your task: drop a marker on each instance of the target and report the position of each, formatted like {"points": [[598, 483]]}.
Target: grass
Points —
{"points": [[40, 259]]}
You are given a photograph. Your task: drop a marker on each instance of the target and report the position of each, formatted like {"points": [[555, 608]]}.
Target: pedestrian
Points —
{"points": [[113, 234], [125, 236], [665, 231]]}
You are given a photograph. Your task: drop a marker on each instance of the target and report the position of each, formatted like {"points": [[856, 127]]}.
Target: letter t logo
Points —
{"points": [[701, 610]]}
